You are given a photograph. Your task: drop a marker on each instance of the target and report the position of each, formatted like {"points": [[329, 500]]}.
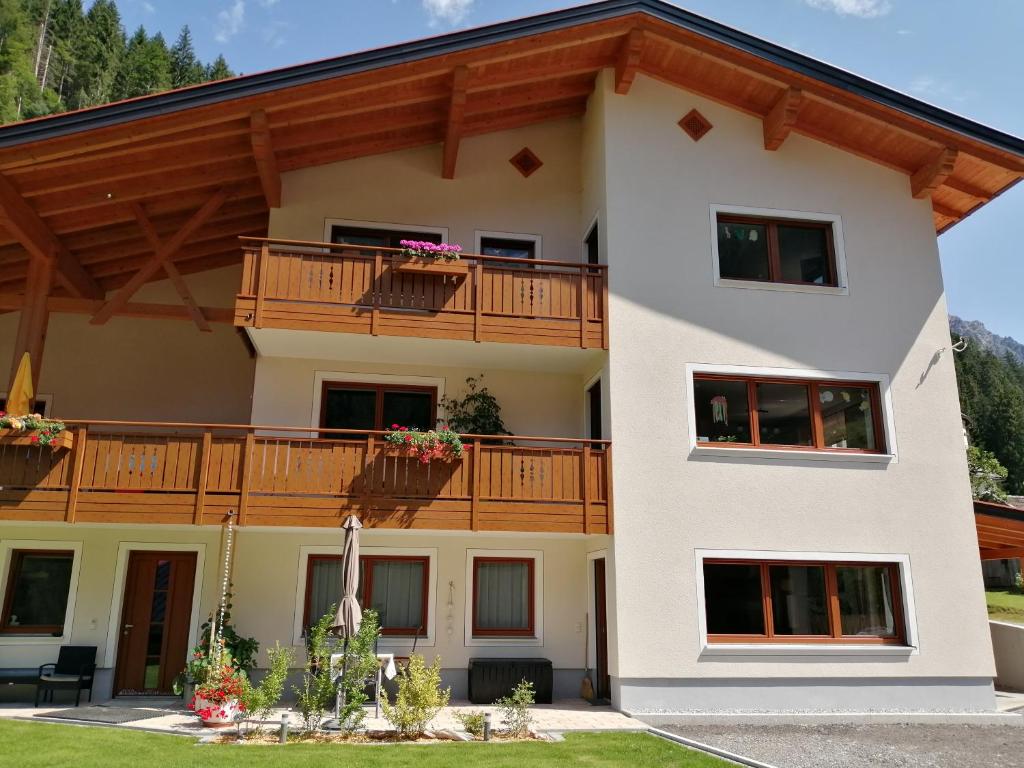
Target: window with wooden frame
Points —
{"points": [[37, 591], [509, 248], [395, 586], [780, 250], [348, 405], [792, 414], [503, 597], [378, 238], [749, 601]]}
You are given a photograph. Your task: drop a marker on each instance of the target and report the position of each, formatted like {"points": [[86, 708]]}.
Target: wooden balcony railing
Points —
{"points": [[168, 473], [353, 289]]}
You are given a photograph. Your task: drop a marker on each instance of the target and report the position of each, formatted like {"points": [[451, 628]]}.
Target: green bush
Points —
{"points": [[316, 693], [472, 722], [515, 710], [261, 699], [419, 697]]}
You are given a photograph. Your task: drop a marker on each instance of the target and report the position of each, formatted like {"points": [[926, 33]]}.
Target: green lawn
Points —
{"points": [[1004, 605], [46, 745]]}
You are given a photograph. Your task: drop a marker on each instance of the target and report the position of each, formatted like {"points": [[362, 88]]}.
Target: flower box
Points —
{"points": [[433, 266], [64, 440]]}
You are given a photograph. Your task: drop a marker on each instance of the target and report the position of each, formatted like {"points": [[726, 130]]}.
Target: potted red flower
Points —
{"points": [[442, 444], [219, 691]]}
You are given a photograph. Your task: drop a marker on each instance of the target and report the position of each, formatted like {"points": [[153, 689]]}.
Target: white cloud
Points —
{"points": [[447, 11], [904, 32], [229, 21], [273, 34], [865, 9], [928, 87], [148, 7]]}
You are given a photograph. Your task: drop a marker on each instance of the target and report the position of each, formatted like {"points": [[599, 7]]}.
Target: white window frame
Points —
{"points": [[7, 547], [537, 240], [329, 223], [386, 642], [48, 399], [124, 549], [902, 561], [537, 640], [842, 287], [885, 398]]}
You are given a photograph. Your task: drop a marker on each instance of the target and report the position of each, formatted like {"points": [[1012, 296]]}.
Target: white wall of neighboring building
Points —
{"points": [[666, 313]]}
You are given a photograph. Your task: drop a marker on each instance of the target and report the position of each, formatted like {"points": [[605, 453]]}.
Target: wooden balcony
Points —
{"points": [[166, 473], [350, 289]]}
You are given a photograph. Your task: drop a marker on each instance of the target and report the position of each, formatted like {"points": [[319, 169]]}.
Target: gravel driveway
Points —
{"points": [[868, 746]]}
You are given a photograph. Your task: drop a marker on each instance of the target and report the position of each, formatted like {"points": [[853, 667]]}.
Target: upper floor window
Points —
{"points": [[37, 590], [349, 405], [749, 601], [378, 238], [776, 250], [796, 414], [508, 245]]}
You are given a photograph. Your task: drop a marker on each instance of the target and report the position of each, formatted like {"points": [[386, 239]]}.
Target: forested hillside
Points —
{"points": [[55, 56], [992, 399]]}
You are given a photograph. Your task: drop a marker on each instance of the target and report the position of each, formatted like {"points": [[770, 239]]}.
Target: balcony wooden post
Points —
{"points": [[368, 472], [261, 284], [478, 300], [243, 496], [586, 488], [608, 489], [378, 276], [604, 308], [474, 502], [584, 296], [204, 476], [77, 463]]}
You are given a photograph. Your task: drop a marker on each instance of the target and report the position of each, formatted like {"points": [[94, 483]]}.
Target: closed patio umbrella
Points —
{"points": [[349, 616]]}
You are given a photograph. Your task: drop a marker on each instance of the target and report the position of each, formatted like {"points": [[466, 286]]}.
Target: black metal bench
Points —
{"points": [[12, 676]]}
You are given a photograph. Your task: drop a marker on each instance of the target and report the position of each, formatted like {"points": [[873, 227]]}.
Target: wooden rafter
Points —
{"points": [[172, 271], [25, 225], [944, 210], [162, 254], [933, 175], [780, 120], [266, 160], [147, 310], [456, 113], [970, 190], [628, 62]]}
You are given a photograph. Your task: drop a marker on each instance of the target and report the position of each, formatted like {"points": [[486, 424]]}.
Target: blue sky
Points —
{"points": [[965, 57]]}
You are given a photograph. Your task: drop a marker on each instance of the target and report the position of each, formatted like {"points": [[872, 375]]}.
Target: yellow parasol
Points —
{"points": [[19, 399]]}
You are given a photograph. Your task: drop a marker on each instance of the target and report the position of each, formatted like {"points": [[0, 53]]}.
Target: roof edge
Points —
{"points": [[168, 102]]}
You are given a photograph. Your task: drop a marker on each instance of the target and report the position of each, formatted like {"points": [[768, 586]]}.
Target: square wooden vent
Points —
{"points": [[525, 161], [695, 125]]}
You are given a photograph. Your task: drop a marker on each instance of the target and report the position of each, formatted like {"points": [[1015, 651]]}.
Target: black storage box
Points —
{"points": [[490, 679]]}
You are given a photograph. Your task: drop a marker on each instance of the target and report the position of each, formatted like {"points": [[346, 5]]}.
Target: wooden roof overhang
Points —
{"points": [[1000, 530], [120, 194]]}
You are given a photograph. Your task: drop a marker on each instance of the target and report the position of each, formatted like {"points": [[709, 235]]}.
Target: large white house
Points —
{"points": [[699, 275]]}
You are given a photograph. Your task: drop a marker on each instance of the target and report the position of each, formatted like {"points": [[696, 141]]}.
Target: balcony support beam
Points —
{"points": [[266, 160], [29, 229], [172, 271], [34, 318], [163, 254], [456, 114]]}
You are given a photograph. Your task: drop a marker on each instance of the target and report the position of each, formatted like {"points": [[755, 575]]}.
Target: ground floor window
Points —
{"points": [[396, 587], [802, 602], [37, 590], [503, 597]]}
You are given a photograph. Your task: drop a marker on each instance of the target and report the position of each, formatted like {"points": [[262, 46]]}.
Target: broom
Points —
{"points": [[586, 686]]}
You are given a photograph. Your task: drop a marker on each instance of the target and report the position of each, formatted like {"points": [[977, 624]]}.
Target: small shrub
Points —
{"points": [[477, 412], [361, 667], [419, 697], [515, 710], [472, 722], [261, 699], [316, 693]]}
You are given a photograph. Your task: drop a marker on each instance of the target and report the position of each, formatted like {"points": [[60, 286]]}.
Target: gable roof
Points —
{"points": [[81, 173]]}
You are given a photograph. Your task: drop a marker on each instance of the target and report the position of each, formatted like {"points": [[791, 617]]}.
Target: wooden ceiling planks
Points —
{"points": [[82, 185]]}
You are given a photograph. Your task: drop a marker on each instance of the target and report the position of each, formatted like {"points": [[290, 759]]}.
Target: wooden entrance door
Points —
{"points": [[155, 618], [602, 687]]}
